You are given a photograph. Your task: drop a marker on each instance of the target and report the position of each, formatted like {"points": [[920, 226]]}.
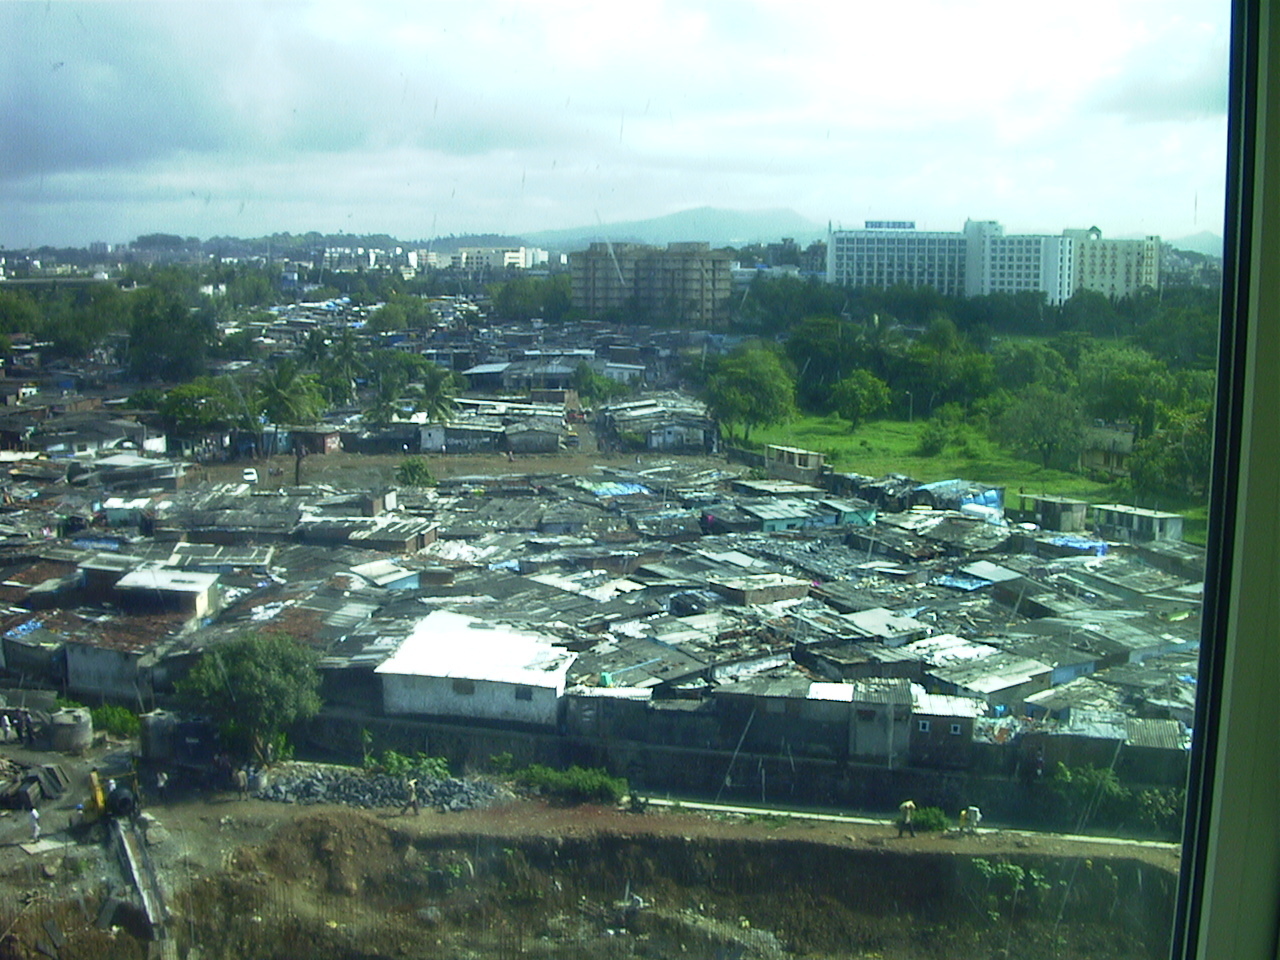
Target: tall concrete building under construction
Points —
{"points": [[686, 283]]}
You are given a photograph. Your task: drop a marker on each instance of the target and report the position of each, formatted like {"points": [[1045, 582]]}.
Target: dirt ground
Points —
{"points": [[332, 871], [360, 471]]}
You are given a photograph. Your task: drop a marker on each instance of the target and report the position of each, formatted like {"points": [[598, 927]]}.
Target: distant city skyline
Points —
{"points": [[426, 120]]}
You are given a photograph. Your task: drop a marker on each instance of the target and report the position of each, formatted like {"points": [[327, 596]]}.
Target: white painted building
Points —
{"points": [[1115, 268], [498, 258], [1018, 264], [977, 261], [887, 253], [453, 665]]}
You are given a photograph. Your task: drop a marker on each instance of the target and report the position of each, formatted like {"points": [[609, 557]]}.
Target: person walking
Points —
{"points": [[35, 825], [906, 819], [6, 728], [162, 782], [412, 786], [242, 782], [974, 818]]}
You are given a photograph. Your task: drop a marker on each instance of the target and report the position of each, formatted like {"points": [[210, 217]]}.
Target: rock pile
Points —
{"points": [[358, 789]]}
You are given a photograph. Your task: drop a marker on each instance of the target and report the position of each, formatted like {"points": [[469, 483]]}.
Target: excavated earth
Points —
{"points": [[527, 879]]}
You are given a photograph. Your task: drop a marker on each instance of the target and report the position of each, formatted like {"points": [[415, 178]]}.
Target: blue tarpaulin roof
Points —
{"points": [[1083, 544]]}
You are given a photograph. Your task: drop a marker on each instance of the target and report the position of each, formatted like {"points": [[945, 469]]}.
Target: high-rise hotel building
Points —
{"points": [[981, 260]]}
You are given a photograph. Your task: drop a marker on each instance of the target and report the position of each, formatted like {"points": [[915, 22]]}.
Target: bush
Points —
{"points": [[1090, 796], [402, 765], [108, 718], [414, 472], [931, 820], [575, 785], [117, 721]]}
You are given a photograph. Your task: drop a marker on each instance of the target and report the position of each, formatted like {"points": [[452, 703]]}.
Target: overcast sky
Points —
{"points": [[430, 119]]}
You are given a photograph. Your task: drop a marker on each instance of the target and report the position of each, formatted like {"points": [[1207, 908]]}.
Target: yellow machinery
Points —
{"points": [[96, 805]]}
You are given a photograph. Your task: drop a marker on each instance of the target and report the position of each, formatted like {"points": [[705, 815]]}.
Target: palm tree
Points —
{"points": [[287, 395], [437, 392], [315, 350], [341, 368]]}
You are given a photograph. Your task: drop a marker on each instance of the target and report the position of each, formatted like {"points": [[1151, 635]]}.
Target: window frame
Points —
{"points": [[1227, 898]]}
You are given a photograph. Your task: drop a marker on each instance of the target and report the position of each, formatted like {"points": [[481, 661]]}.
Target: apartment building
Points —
{"points": [[981, 260], [889, 252], [1017, 264], [1115, 268], [498, 258], [683, 283]]}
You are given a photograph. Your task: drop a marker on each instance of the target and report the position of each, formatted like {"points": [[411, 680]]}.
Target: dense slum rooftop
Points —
{"points": [[617, 568]]}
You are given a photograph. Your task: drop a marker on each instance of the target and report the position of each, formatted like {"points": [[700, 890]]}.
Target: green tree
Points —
{"points": [[414, 472], [256, 687], [1045, 424], [341, 368], [1174, 460], [286, 395], [595, 387], [1124, 384], [202, 405], [859, 396], [1182, 337], [1090, 795], [407, 382], [750, 387], [827, 350], [168, 340], [1018, 364], [18, 312]]}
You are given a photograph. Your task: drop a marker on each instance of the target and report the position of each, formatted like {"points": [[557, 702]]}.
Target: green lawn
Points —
{"points": [[889, 446]]}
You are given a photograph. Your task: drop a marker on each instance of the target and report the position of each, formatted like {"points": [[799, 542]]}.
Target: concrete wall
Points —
{"points": [[488, 699], [103, 672]]}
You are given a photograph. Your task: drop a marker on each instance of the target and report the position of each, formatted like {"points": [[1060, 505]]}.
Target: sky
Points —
{"points": [[430, 119]]}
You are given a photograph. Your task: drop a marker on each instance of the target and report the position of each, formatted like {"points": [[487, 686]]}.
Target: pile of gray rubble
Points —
{"points": [[343, 785]]}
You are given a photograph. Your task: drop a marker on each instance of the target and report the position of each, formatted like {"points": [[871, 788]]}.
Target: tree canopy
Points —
{"points": [[751, 387], [256, 687], [859, 396]]}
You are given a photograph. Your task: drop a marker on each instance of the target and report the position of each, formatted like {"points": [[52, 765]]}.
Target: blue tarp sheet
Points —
{"points": [[1083, 544]]}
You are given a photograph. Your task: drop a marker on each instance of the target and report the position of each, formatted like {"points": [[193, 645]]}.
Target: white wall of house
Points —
{"points": [[458, 666], [466, 698]]}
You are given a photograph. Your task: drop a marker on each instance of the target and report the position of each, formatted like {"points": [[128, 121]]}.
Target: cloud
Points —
{"points": [[514, 116], [1178, 74]]}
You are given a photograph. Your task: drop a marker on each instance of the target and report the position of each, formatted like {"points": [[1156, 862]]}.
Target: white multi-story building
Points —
{"points": [[981, 260], [887, 253], [499, 258], [1018, 264], [1115, 268]]}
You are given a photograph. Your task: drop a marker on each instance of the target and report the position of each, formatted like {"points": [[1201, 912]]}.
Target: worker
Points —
{"points": [[35, 824], [906, 820], [242, 782], [964, 820], [412, 788], [6, 729], [974, 818], [162, 781]]}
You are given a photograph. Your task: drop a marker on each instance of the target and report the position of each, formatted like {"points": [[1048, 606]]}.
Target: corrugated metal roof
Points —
{"points": [[1162, 734]]}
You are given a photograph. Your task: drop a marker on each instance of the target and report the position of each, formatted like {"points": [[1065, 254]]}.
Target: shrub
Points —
{"points": [[931, 819], [117, 721], [402, 765], [1090, 796], [414, 472], [575, 785]]}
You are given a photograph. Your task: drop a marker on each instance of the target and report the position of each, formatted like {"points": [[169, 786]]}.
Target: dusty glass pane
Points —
{"points": [[577, 480]]}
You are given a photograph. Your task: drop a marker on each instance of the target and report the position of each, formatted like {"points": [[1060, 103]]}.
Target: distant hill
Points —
{"points": [[717, 227], [1203, 242]]}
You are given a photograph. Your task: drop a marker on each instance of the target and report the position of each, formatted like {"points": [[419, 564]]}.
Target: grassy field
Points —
{"points": [[890, 446]]}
